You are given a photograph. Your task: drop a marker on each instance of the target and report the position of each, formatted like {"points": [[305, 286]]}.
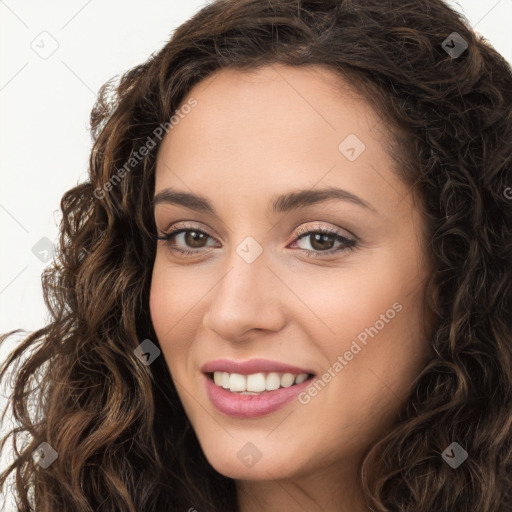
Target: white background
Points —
{"points": [[45, 105]]}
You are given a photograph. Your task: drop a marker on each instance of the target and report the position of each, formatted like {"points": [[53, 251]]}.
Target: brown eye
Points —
{"points": [[185, 240], [321, 242], [195, 239]]}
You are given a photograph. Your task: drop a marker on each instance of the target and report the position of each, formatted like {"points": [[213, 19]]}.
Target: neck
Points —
{"points": [[327, 490]]}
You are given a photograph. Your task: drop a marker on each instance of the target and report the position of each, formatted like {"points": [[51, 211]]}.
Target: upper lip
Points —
{"points": [[251, 366]]}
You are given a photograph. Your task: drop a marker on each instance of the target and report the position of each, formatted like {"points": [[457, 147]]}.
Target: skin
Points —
{"points": [[254, 135]]}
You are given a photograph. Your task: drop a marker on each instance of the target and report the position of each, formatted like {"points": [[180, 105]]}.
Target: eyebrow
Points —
{"points": [[280, 204]]}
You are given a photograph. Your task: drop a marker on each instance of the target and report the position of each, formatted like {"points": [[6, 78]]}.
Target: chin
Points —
{"points": [[247, 460]]}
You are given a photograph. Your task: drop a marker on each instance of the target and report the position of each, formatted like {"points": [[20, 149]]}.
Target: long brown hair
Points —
{"points": [[123, 440]]}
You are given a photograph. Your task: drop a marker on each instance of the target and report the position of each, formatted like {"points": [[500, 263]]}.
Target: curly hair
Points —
{"points": [[123, 440]]}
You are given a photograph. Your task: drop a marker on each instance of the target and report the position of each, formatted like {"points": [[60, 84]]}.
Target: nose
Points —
{"points": [[248, 297]]}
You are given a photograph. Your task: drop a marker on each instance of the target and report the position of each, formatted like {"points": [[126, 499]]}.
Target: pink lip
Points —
{"points": [[251, 366], [251, 406]]}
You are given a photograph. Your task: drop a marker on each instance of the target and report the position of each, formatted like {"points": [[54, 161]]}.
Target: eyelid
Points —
{"points": [[329, 230], [184, 225], [297, 234]]}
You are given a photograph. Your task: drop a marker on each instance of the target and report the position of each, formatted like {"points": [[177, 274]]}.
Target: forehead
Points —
{"points": [[275, 128], [276, 101]]}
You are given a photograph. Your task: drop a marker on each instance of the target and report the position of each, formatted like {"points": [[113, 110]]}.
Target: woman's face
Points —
{"points": [[262, 283]]}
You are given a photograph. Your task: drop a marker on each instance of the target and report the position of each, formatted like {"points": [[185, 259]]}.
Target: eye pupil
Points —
{"points": [[193, 237], [322, 239]]}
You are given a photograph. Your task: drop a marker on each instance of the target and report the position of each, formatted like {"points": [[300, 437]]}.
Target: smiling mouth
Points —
{"points": [[257, 383]]}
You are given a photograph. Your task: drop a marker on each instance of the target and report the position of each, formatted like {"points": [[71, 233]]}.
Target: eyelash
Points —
{"points": [[349, 244]]}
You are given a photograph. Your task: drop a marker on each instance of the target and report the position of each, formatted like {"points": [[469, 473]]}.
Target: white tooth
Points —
{"points": [[273, 381], [217, 378], [256, 382], [301, 378], [237, 382], [225, 380], [287, 380]]}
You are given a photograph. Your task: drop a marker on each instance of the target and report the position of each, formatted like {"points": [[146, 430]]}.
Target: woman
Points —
{"points": [[286, 284]]}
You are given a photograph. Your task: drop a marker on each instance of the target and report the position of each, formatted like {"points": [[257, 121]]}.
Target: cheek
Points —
{"points": [[176, 305], [160, 299], [375, 323], [170, 297], [341, 305], [166, 308]]}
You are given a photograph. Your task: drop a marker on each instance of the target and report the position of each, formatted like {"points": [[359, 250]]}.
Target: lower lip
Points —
{"points": [[251, 406]]}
